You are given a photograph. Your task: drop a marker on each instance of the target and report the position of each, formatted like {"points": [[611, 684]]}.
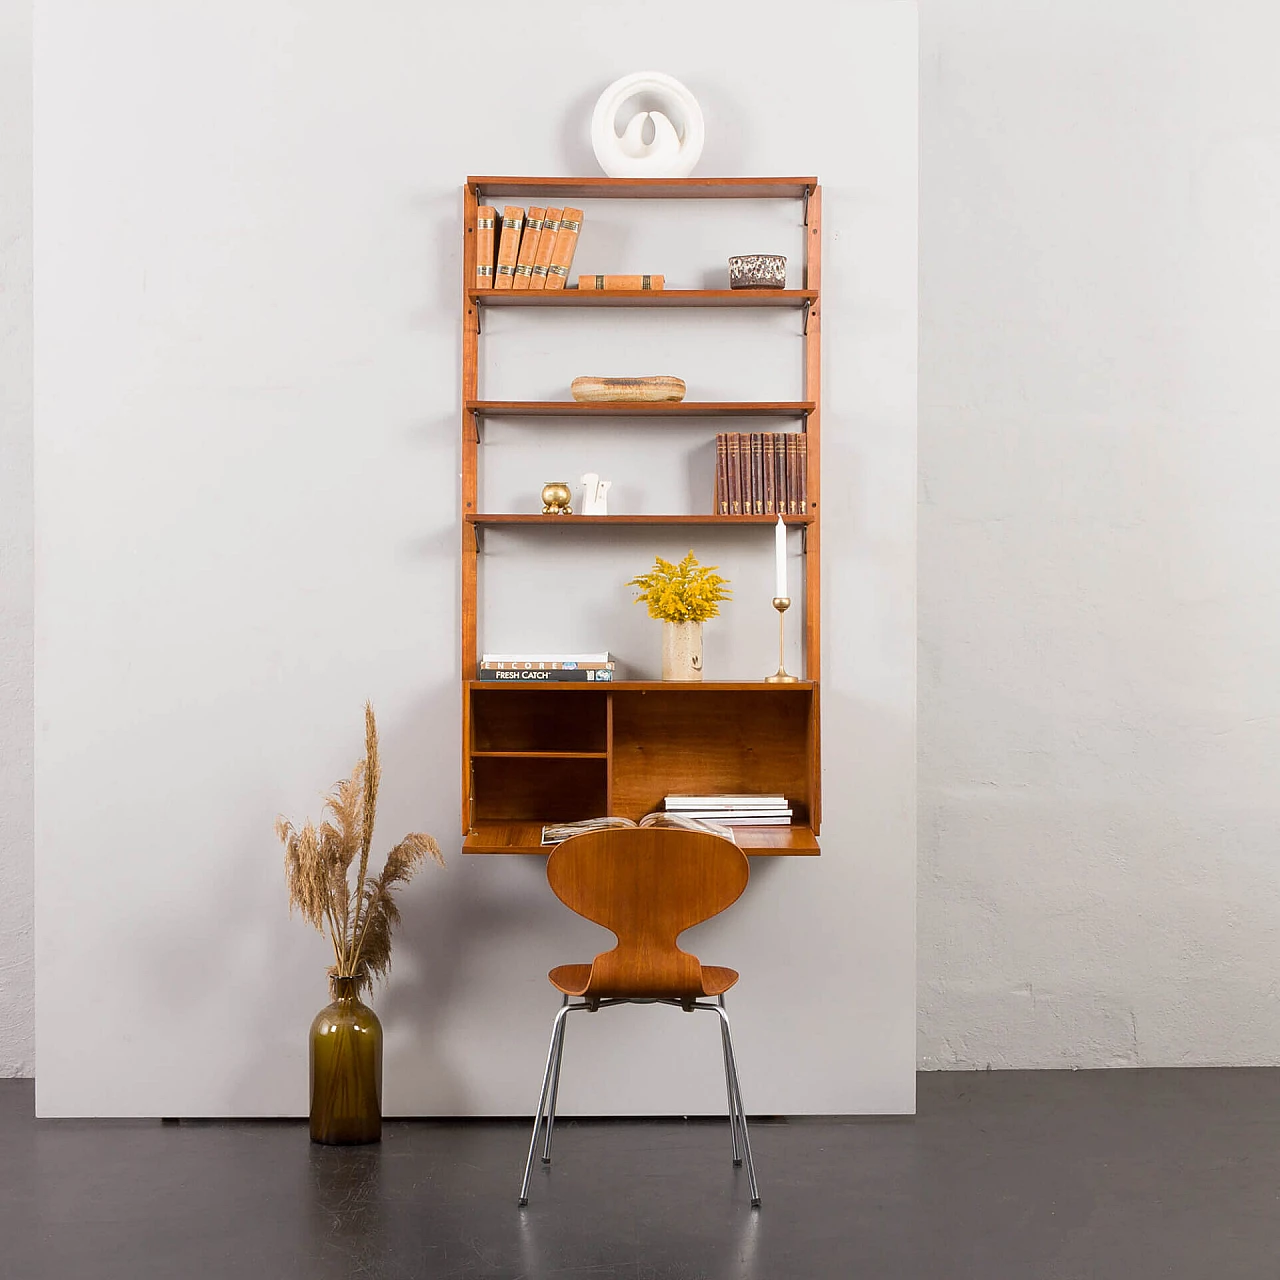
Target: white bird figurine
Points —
{"points": [[595, 495]]}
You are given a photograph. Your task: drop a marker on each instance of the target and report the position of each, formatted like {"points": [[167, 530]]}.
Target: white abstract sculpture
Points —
{"points": [[595, 495], [675, 147]]}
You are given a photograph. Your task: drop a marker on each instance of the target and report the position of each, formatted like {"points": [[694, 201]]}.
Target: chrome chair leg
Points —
{"points": [[742, 1111], [728, 1086], [542, 1102], [555, 1089]]}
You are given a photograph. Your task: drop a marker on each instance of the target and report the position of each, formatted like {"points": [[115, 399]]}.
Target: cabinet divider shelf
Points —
{"points": [[568, 522], [644, 188], [779, 298], [640, 409]]}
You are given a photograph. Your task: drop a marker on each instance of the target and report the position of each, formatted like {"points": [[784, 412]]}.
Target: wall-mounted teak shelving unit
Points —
{"points": [[559, 752]]}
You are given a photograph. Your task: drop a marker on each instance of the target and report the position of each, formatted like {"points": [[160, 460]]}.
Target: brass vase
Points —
{"points": [[346, 1069]]}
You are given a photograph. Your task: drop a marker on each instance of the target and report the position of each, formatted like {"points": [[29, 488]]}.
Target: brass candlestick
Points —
{"points": [[782, 604]]}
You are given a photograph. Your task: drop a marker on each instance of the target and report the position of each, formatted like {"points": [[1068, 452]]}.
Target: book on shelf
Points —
{"points": [[731, 801], [548, 668], [559, 664], [553, 833], [486, 215], [761, 473], [548, 659], [741, 819], [529, 239], [566, 242], [605, 283], [780, 472], [548, 675], [793, 474], [508, 247], [546, 243]]}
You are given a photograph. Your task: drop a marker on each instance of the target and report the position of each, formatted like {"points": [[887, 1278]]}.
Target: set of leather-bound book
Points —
{"points": [[533, 249], [762, 473]]}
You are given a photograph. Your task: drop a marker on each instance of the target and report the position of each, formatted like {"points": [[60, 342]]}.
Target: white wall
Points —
{"points": [[1099, 462], [246, 501], [17, 968]]}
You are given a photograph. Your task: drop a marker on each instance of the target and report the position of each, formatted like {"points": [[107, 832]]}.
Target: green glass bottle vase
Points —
{"points": [[346, 1069]]}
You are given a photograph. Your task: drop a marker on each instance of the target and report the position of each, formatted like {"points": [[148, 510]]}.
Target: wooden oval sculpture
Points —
{"points": [[612, 390]]}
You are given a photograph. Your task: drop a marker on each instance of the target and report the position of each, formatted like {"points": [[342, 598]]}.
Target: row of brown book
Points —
{"points": [[520, 250], [762, 473]]}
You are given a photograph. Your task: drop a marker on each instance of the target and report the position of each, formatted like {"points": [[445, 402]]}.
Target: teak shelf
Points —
{"points": [[555, 752], [658, 409], [792, 298]]}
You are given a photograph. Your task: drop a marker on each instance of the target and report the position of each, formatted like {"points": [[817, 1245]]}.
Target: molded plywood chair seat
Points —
{"points": [[647, 886]]}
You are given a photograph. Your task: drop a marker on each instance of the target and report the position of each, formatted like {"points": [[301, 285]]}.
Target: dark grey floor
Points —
{"points": [[1003, 1176]]}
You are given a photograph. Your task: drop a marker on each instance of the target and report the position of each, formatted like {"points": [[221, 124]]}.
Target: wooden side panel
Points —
{"points": [[470, 568], [813, 430], [812, 533], [723, 742]]}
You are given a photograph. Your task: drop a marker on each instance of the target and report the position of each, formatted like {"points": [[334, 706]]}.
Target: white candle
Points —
{"points": [[780, 559]]}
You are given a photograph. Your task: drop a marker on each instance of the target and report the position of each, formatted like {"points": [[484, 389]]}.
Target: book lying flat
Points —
{"points": [[606, 284], [725, 802], [549, 675], [741, 820], [579, 658], [555, 832], [734, 815]]}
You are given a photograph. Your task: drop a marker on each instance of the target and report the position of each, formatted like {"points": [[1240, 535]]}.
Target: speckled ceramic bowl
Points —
{"points": [[758, 271]]}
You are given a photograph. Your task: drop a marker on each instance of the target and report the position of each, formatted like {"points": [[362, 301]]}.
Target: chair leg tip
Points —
{"points": [[546, 1159], [524, 1200], [755, 1204], [737, 1164]]}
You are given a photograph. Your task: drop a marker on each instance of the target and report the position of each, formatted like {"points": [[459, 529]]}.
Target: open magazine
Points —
{"points": [[563, 830]]}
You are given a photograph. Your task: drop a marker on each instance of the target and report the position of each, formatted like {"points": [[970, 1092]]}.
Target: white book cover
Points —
{"points": [[725, 802]]}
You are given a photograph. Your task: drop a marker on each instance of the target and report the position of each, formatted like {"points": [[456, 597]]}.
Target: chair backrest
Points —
{"points": [[647, 885]]}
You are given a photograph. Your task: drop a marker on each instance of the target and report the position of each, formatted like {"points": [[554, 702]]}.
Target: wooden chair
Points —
{"points": [[646, 885]]}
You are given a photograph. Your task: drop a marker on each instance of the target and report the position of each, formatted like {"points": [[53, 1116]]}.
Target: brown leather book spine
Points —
{"points": [[642, 283], [766, 466], [802, 468], [734, 462], [744, 473], [546, 243], [528, 247], [508, 247], [793, 476], [757, 474], [722, 474], [485, 216], [779, 465], [562, 252]]}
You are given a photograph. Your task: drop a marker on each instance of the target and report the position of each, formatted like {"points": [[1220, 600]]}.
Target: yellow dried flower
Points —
{"points": [[684, 592]]}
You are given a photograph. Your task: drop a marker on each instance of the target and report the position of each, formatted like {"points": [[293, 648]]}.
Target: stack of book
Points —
{"points": [[547, 668], [762, 473], [732, 810], [525, 249]]}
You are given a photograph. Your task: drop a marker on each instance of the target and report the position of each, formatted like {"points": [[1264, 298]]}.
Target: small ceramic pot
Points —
{"points": [[758, 271], [682, 651]]}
